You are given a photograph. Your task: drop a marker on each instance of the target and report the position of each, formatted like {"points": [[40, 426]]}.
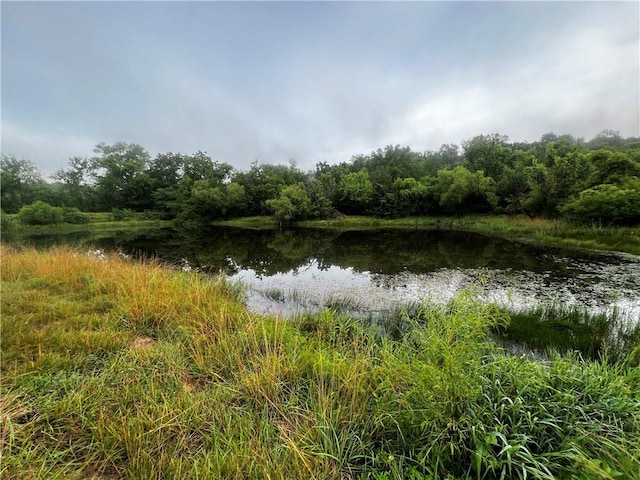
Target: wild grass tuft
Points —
{"points": [[113, 368]]}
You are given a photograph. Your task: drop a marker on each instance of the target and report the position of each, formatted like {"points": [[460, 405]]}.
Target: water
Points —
{"points": [[370, 272]]}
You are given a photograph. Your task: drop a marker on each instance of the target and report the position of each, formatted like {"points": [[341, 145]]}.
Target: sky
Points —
{"points": [[310, 81]]}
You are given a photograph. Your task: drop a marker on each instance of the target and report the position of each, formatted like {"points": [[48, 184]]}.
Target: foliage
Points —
{"points": [[77, 182], [463, 191], [73, 215], [118, 179], [119, 214], [487, 174], [606, 204], [40, 213], [293, 203], [20, 183], [355, 192]]}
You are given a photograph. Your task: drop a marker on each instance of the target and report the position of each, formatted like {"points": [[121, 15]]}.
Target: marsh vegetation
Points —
{"points": [[120, 368]]}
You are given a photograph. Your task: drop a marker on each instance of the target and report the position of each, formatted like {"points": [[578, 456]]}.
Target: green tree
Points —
{"points": [[355, 192], [200, 166], [448, 156], [514, 183], [489, 153], [569, 174], [463, 191], [406, 197], [387, 165], [208, 199], [609, 139], [540, 199], [293, 203], [167, 169], [319, 193], [77, 182], [264, 182], [20, 183], [118, 166], [607, 204], [612, 167], [236, 200]]}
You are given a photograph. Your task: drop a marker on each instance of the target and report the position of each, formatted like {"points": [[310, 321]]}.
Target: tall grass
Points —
{"points": [[11, 229], [570, 328], [120, 369]]}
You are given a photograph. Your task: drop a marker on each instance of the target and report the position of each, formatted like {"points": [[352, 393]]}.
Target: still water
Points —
{"points": [[369, 272]]}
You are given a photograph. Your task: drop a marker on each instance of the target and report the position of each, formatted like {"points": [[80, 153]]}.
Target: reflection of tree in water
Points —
{"points": [[269, 252], [394, 259]]}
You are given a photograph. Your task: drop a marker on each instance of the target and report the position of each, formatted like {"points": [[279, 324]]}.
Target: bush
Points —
{"points": [[152, 215], [122, 214], [607, 204], [40, 213], [73, 215]]}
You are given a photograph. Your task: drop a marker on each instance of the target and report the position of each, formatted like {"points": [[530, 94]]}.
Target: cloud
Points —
{"points": [[310, 81], [52, 149], [588, 84]]}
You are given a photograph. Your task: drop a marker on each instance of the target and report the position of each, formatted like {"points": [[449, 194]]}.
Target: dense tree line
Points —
{"points": [[596, 181]]}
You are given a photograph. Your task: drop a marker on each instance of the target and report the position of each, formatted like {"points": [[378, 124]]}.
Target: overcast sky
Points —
{"points": [[310, 81]]}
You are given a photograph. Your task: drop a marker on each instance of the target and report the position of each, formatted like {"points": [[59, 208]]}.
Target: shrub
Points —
{"points": [[40, 213], [122, 214], [606, 204], [152, 215], [73, 215]]}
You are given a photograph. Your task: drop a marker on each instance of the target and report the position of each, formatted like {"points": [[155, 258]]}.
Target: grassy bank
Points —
{"points": [[99, 222], [521, 228], [255, 223], [120, 369]]}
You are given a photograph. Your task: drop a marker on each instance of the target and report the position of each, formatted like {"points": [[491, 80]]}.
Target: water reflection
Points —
{"points": [[295, 270]]}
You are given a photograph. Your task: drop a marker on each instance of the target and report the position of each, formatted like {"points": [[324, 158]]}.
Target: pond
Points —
{"points": [[379, 271]]}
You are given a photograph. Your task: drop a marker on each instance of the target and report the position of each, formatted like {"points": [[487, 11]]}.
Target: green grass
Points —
{"points": [[120, 369], [11, 230], [98, 222], [574, 329], [521, 228], [255, 223]]}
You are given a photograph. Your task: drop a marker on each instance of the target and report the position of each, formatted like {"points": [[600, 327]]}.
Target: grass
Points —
{"points": [[98, 222], [113, 368], [571, 328], [254, 223], [521, 228], [538, 230], [10, 228]]}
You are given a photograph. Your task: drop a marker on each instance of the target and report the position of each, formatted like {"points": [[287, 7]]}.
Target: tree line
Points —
{"points": [[596, 181]]}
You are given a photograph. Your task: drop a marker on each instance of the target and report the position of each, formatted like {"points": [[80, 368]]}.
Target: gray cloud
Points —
{"points": [[310, 81]]}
